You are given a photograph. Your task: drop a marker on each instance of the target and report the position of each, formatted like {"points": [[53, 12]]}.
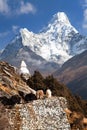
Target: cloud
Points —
{"points": [[85, 19], [4, 7], [4, 34], [84, 5], [18, 8], [26, 8], [15, 29]]}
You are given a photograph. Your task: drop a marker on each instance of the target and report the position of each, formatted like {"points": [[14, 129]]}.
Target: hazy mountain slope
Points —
{"points": [[14, 53], [74, 74]]}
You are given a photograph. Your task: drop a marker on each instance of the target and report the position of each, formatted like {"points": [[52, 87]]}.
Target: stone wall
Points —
{"points": [[46, 114]]}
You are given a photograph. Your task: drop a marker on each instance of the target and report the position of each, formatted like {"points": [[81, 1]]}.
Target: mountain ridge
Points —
{"points": [[58, 43], [73, 73]]}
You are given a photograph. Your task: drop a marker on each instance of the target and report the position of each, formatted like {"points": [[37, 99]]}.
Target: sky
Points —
{"points": [[36, 14]]}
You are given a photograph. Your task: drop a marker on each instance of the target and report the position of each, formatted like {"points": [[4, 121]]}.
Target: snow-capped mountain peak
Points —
{"points": [[51, 43], [60, 22], [57, 43], [25, 33], [61, 17]]}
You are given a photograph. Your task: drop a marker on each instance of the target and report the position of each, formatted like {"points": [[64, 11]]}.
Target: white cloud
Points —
{"points": [[21, 7], [15, 28], [26, 8], [85, 15], [4, 8], [84, 5], [12, 31], [4, 34]]}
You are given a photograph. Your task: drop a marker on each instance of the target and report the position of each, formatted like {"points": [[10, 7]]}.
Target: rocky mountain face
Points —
{"points": [[74, 74], [47, 50]]}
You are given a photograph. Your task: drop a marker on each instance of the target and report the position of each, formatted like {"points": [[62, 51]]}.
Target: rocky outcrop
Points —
{"points": [[16, 114], [46, 114], [11, 84]]}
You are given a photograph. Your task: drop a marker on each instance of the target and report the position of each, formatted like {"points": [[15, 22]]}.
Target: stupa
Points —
{"points": [[24, 71]]}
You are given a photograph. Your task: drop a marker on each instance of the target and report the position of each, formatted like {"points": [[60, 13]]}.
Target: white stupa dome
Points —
{"points": [[23, 68]]}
